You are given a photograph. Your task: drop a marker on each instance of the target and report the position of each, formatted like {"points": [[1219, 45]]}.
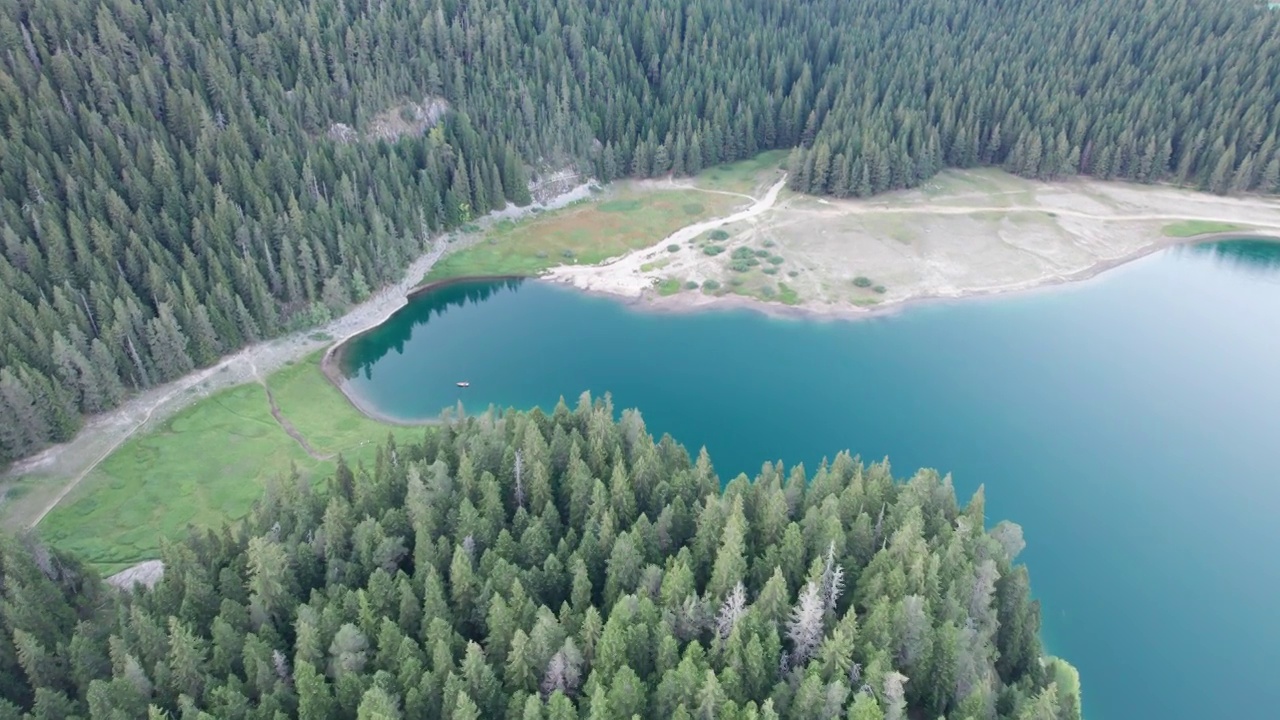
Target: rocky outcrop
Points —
{"points": [[146, 573]]}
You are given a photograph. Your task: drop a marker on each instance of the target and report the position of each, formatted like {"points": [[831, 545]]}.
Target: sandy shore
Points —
{"points": [[650, 301], [972, 233]]}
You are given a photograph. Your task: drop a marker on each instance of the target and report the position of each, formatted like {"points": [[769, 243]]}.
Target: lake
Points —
{"points": [[1129, 423]]}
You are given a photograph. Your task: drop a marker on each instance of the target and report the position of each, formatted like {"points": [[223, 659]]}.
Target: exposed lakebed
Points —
{"points": [[1128, 423]]}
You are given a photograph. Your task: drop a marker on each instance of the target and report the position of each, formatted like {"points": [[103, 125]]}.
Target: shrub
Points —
{"points": [[762, 253], [862, 281], [713, 250], [673, 248], [776, 260], [769, 243], [771, 270], [718, 235], [878, 289], [691, 285], [768, 291], [710, 285], [736, 281], [793, 273], [742, 253], [740, 265], [669, 286], [567, 253]]}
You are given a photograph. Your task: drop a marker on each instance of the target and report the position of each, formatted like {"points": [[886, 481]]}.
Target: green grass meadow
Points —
{"points": [[623, 219], [585, 233], [1192, 228], [745, 176], [209, 464]]}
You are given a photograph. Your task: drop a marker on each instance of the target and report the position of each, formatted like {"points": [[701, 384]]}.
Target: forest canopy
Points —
{"points": [[180, 179], [562, 566]]}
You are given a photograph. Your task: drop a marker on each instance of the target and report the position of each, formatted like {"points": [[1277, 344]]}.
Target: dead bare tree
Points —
{"points": [[519, 478], [734, 607], [804, 629]]}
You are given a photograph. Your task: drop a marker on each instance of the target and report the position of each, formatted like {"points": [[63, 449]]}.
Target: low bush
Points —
{"points": [[862, 281], [669, 286]]}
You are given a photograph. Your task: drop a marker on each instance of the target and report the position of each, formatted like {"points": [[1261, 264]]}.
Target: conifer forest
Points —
{"points": [[550, 566], [180, 179]]}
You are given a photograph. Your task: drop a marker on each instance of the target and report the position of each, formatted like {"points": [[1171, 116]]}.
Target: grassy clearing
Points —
{"points": [[998, 186], [586, 233], [207, 464], [744, 176], [1191, 228]]}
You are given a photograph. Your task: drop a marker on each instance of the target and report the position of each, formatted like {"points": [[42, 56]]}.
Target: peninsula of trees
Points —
{"points": [[550, 567], [178, 179]]}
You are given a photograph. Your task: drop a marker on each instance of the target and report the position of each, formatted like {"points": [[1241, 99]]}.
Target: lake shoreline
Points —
{"points": [[331, 362], [687, 301], [695, 301]]}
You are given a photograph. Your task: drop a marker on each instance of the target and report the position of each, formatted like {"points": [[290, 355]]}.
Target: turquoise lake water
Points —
{"points": [[1130, 424]]}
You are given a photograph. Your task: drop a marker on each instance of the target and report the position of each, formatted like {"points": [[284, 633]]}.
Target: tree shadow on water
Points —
{"points": [[1253, 255], [363, 352]]}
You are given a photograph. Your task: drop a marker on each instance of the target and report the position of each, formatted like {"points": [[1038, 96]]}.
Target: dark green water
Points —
{"points": [[1130, 424]]}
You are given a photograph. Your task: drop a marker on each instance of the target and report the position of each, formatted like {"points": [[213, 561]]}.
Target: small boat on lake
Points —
{"points": [[463, 383]]}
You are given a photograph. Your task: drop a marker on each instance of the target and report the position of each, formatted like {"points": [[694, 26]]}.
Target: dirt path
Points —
{"points": [[670, 183], [919, 246], [284, 423], [624, 275], [930, 209], [149, 411], [70, 462]]}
